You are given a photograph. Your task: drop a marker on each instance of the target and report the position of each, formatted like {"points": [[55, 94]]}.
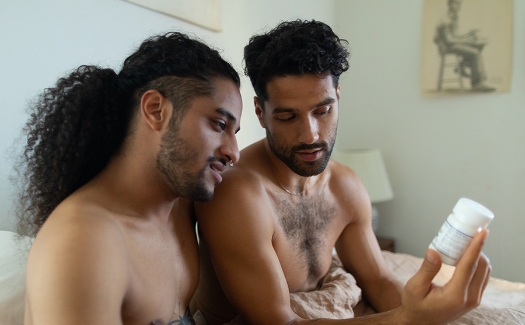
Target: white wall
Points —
{"points": [[436, 150], [43, 40]]}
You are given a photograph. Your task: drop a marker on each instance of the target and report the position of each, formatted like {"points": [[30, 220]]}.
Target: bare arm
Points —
{"points": [[75, 275], [367, 265], [358, 249], [238, 233]]}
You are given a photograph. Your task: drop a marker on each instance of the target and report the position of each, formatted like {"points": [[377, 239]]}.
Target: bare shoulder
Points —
{"points": [[79, 223], [348, 190], [79, 254], [343, 179], [242, 192], [76, 241], [245, 181]]}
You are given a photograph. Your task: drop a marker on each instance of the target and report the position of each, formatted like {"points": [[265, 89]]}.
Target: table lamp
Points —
{"points": [[370, 167]]}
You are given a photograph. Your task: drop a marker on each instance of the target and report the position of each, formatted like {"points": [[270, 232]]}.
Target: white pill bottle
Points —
{"points": [[466, 220]]}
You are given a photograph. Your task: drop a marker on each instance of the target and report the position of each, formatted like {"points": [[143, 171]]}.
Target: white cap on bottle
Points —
{"points": [[472, 213]]}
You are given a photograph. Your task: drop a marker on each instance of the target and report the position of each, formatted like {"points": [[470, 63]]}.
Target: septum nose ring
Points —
{"points": [[231, 163]]}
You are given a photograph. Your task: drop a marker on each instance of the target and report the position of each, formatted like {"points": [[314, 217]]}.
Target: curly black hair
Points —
{"points": [[77, 126], [294, 48]]}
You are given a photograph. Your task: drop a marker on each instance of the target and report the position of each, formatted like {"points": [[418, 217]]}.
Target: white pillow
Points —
{"points": [[13, 260]]}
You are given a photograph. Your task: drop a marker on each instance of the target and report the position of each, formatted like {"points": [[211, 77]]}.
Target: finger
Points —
{"points": [[421, 282], [467, 264], [479, 281]]}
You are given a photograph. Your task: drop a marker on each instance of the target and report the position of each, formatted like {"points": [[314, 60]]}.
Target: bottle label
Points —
{"points": [[451, 242]]}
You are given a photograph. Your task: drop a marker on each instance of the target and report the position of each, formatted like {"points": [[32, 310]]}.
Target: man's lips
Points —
{"points": [[310, 155], [217, 167]]}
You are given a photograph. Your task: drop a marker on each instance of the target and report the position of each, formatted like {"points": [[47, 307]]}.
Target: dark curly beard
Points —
{"points": [[302, 168]]}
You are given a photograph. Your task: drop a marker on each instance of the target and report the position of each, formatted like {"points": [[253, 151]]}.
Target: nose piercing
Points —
{"points": [[231, 163]]}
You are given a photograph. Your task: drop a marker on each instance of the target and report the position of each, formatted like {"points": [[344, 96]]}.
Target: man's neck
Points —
{"points": [[134, 189], [286, 178]]}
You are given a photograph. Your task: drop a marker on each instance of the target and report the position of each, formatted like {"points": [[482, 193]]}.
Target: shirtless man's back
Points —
{"points": [[108, 157]]}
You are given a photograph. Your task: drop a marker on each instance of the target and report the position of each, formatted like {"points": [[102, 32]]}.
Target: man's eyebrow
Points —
{"points": [[228, 115], [326, 101], [278, 110]]}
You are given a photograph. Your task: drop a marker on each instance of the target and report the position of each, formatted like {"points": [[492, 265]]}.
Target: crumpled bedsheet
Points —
{"points": [[339, 297]]}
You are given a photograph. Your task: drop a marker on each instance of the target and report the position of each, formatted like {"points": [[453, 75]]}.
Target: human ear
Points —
{"points": [[154, 109], [259, 111], [338, 92]]}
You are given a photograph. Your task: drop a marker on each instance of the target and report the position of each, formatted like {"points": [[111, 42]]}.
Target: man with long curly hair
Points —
{"points": [[107, 156], [267, 236]]}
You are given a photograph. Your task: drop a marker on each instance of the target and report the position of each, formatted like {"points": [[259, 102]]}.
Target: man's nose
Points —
{"points": [[230, 149], [309, 131]]}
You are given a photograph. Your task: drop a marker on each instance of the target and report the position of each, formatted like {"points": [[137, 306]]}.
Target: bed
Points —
{"points": [[503, 301]]}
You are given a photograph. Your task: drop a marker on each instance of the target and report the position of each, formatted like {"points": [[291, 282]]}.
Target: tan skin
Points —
{"points": [[122, 249], [248, 239]]}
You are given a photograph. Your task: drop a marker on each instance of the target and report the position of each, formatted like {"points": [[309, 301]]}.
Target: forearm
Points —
{"points": [[386, 296]]}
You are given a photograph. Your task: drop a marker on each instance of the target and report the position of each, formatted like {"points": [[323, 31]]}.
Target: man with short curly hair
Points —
{"points": [[267, 236]]}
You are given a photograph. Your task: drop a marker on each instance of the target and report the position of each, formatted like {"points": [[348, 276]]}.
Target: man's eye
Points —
{"points": [[323, 111], [285, 118], [220, 125]]}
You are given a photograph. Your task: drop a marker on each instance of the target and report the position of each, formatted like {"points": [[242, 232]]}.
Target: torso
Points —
{"points": [[164, 273], [161, 261], [305, 232]]}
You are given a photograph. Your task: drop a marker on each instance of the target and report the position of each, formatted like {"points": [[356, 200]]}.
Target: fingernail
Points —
{"points": [[430, 257]]}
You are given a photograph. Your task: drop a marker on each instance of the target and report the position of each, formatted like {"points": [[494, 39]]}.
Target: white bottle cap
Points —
{"points": [[472, 213]]}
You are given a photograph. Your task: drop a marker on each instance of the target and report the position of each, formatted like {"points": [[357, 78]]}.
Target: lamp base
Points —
{"points": [[375, 219]]}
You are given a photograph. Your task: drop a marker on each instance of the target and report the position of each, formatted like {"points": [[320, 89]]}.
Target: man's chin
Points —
{"points": [[202, 199], [200, 194], [308, 170]]}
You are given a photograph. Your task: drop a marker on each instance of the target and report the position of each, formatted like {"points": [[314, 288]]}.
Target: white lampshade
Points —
{"points": [[369, 166]]}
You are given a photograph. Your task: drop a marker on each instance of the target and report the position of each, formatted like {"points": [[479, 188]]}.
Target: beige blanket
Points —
{"points": [[339, 297]]}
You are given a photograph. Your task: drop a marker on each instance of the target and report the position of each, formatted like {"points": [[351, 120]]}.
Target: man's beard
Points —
{"points": [[174, 159], [302, 168]]}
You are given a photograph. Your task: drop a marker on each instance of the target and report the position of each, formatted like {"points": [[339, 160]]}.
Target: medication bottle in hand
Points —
{"points": [[466, 220]]}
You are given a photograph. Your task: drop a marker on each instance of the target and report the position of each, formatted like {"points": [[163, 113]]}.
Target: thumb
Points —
{"points": [[422, 280]]}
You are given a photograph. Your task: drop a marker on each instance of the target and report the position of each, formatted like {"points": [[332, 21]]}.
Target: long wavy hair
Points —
{"points": [[294, 48], [77, 126]]}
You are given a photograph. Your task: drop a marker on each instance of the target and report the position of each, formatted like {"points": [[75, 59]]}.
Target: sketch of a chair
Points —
{"points": [[455, 65]]}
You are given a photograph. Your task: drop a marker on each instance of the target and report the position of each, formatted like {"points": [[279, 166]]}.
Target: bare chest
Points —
{"points": [[164, 276], [306, 234]]}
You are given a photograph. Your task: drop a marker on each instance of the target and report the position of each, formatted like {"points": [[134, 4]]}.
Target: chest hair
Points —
{"points": [[305, 225]]}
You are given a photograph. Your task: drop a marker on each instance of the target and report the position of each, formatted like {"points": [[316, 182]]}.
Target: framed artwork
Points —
{"points": [[205, 13], [466, 47]]}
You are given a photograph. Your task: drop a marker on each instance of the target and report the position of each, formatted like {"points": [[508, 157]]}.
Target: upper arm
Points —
{"points": [[76, 274], [357, 245], [358, 248], [237, 230]]}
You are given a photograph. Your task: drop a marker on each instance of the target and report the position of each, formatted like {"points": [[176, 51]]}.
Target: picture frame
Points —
{"points": [[466, 47], [204, 13]]}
